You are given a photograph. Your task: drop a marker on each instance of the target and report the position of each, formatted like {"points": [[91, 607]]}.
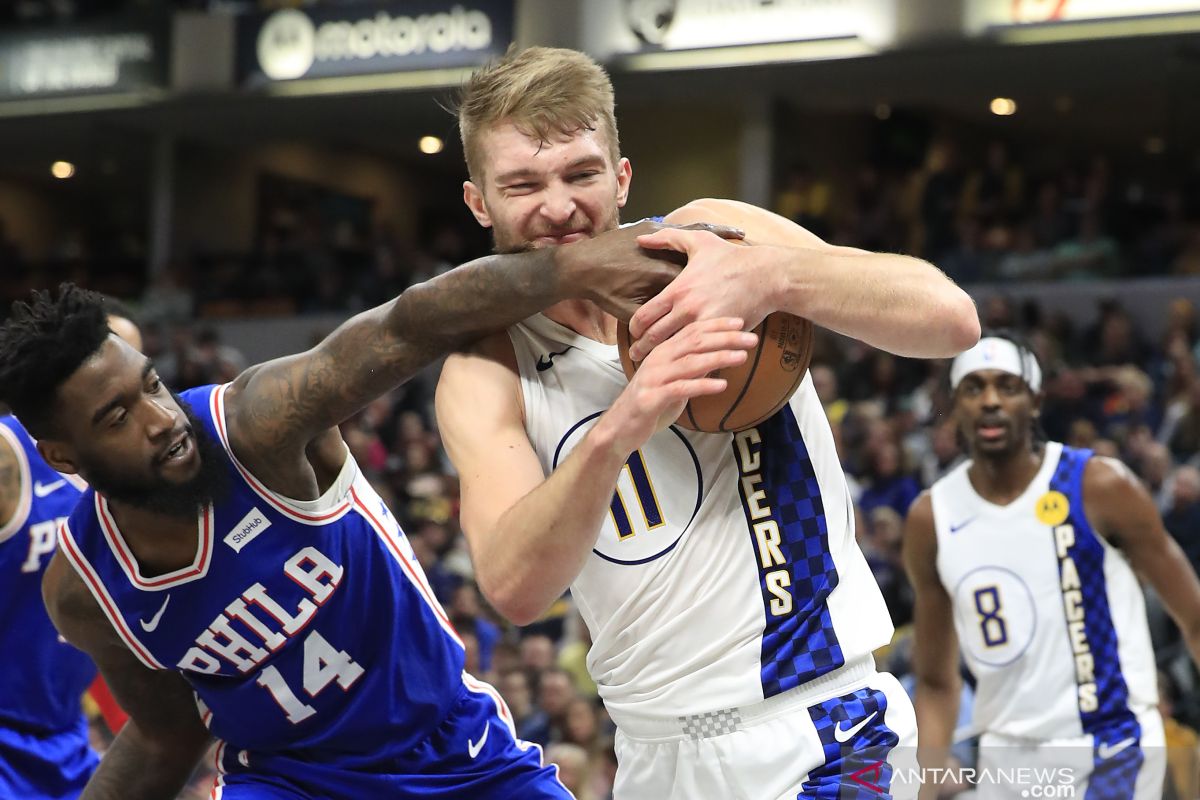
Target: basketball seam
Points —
{"points": [[800, 373], [762, 339]]}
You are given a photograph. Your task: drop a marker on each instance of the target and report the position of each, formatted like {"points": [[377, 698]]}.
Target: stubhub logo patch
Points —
{"points": [[244, 532]]}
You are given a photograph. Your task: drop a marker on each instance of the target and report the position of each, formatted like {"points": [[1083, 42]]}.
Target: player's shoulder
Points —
{"points": [[920, 511], [1107, 479], [68, 601], [10, 479], [710, 209], [490, 358]]}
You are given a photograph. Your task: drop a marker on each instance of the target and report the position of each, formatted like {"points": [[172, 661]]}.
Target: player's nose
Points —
{"points": [[558, 205]]}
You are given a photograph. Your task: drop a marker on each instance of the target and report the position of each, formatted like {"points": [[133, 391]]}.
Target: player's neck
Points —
{"points": [[160, 542], [1002, 478], [586, 319]]}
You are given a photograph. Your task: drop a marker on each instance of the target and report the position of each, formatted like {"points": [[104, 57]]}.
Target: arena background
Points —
{"points": [[247, 174]]}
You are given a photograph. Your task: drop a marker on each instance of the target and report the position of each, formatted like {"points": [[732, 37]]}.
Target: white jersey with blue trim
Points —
{"points": [[1049, 615], [304, 627], [727, 570]]}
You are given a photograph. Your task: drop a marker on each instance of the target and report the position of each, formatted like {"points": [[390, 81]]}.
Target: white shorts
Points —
{"points": [[1128, 762], [841, 736]]}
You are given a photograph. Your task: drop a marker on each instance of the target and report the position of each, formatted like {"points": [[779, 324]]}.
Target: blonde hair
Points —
{"points": [[543, 91]]}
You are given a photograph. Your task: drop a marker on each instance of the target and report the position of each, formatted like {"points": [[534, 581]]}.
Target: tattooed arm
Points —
{"points": [[275, 410], [157, 750], [10, 483]]}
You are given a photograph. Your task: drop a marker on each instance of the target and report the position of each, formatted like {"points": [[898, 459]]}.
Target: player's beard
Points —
{"points": [[187, 499]]}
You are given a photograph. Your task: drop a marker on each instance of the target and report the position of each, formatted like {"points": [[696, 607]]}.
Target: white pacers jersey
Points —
{"points": [[1049, 615], [726, 571]]}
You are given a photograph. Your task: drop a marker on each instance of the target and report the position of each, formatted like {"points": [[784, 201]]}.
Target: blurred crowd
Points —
{"points": [[985, 217], [992, 216], [1107, 387]]}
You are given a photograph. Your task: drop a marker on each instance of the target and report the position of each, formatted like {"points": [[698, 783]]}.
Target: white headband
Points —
{"points": [[1001, 354]]}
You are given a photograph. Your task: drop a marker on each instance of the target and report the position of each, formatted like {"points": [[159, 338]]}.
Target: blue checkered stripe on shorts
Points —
{"points": [[1115, 777], [856, 769], [801, 645], [1112, 722]]}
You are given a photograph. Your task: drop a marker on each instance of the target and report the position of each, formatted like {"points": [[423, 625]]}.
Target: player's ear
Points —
{"points": [[473, 197], [624, 177], [58, 455]]}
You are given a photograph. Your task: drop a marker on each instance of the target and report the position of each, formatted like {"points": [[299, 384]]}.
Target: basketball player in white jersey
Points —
{"points": [[1025, 557], [732, 614]]}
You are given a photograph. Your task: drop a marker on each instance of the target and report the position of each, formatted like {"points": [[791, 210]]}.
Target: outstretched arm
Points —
{"points": [[277, 408], [935, 644], [897, 303], [158, 749], [1124, 513]]}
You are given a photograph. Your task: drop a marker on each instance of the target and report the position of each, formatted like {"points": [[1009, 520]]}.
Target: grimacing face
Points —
{"points": [[535, 194], [995, 411], [128, 436]]}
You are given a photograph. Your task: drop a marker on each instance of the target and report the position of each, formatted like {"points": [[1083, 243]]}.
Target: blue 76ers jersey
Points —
{"points": [[40, 690], [304, 627]]}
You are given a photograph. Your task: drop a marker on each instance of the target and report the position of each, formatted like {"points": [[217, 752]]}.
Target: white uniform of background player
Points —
{"points": [[1048, 612]]}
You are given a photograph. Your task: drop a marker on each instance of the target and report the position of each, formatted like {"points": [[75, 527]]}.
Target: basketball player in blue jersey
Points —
{"points": [[1025, 558], [233, 574], [731, 612], [44, 753]]}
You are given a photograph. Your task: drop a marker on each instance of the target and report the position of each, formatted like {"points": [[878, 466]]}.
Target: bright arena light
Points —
{"points": [[1004, 106], [430, 145], [62, 169]]}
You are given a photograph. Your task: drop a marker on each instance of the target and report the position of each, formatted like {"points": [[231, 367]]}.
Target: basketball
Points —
{"points": [[758, 387]]}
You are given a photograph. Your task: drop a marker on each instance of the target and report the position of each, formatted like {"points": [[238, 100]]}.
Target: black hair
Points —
{"points": [[117, 308], [42, 344]]}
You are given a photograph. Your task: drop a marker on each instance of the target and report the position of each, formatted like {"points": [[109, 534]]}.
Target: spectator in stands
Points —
{"points": [[1183, 518], [555, 693], [889, 484], [532, 723]]}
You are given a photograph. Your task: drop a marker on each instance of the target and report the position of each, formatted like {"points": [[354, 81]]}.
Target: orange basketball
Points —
{"points": [[758, 387]]}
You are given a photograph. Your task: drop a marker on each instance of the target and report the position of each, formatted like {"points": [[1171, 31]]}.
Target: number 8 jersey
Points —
{"points": [[304, 627], [1050, 616], [726, 571]]}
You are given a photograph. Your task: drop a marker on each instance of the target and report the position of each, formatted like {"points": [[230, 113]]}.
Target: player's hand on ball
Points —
{"points": [[721, 280], [619, 275], [678, 371]]}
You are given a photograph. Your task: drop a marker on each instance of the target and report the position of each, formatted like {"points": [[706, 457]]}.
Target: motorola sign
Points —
{"points": [[371, 38], [286, 45]]}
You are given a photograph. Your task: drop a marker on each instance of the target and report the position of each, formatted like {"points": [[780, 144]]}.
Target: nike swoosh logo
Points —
{"points": [[546, 362], [956, 528], [1107, 751], [153, 623], [42, 489], [844, 735], [473, 748]]}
